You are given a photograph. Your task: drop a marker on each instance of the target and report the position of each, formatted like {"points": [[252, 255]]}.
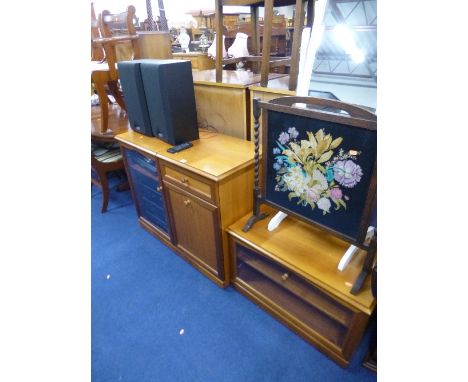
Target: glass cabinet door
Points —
{"points": [[144, 178]]}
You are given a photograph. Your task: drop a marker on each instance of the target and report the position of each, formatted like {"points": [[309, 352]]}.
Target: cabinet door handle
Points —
{"points": [[187, 202], [285, 276], [159, 188], [184, 180]]}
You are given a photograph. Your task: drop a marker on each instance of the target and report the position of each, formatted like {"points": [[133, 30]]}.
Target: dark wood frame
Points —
{"points": [[325, 110]]}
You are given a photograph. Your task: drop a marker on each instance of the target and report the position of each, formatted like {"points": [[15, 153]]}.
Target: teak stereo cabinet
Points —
{"points": [[291, 273], [188, 199]]}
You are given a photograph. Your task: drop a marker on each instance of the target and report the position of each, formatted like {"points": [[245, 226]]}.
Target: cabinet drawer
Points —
{"points": [[316, 311], [190, 182]]}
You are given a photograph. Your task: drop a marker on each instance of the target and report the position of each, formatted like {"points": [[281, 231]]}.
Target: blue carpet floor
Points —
{"points": [[156, 318]]}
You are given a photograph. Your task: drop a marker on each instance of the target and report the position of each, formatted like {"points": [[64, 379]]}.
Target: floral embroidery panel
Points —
{"points": [[311, 171], [319, 170]]}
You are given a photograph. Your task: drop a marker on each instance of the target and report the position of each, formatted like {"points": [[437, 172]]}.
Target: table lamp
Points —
{"points": [[239, 49], [212, 49], [184, 40]]}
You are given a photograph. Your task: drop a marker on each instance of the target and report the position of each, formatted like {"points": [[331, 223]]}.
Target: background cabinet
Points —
{"points": [[225, 106], [199, 60]]}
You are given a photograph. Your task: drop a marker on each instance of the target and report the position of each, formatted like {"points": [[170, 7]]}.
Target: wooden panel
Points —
{"points": [[124, 52], [196, 228], [235, 196], [156, 45], [222, 109], [235, 201], [190, 182], [200, 61], [282, 278]]}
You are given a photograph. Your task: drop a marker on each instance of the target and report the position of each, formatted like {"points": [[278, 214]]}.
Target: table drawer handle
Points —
{"points": [[187, 202], [184, 180], [285, 276]]}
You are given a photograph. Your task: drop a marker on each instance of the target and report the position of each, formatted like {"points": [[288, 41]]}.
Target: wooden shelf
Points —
{"points": [[311, 253], [117, 124]]}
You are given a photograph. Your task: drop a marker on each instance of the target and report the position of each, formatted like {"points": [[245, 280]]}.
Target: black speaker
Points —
{"points": [[134, 96], [170, 98]]}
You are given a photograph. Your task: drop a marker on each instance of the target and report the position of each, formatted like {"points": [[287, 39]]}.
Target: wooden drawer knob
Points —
{"points": [[187, 202], [184, 180], [159, 188], [285, 276]]}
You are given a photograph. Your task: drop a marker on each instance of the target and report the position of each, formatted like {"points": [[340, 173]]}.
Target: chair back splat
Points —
{"points": [[120, 42]]}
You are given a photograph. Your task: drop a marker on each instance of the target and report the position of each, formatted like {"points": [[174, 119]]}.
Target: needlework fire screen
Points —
{"points": [[320, 165]]}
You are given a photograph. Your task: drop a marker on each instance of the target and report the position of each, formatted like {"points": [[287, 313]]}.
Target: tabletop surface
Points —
{"points": [[214, 155], [231, 78]]}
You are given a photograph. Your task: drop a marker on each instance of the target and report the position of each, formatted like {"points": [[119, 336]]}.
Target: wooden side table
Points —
{"points": [[291, 273]]}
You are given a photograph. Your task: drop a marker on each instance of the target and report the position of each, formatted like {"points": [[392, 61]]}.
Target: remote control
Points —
{"points": [[180, 147]]}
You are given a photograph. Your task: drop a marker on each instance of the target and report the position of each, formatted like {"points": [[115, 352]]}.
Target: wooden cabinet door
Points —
{"points": [[196, 229]]}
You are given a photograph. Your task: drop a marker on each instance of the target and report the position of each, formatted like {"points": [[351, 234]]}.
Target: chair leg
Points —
{"points": [[101, 91], [123, 186], [116, 93], [105, 194]]}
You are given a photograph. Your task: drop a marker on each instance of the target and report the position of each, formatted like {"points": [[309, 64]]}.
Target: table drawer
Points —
{"points": [[189, 181], [317, 312]]}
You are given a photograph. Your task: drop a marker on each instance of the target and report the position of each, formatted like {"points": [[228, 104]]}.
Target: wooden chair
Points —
{"points": [[97, 53], [264, 59], [104, 159], [116, 30]]}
